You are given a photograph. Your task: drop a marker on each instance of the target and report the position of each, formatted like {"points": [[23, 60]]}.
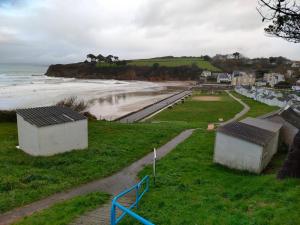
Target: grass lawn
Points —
{"points": [[195, 113], [191, 189], [176, 61], [65, 212], [256, 108], [112, 146]]}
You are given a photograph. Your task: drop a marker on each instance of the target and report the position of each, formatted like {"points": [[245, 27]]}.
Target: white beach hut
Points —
{"points": [[46, 131], [247, 145]]}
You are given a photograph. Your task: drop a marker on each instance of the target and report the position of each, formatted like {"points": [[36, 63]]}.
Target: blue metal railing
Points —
{"points": [[115, 204]]}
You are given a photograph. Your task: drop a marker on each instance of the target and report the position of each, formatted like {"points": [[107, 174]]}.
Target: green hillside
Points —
{"points": [[175, 61]]}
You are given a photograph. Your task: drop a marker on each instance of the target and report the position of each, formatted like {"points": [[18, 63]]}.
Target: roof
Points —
{"points": [[263, 124], [51, 115], [291, 116], [223, 76], [247, 132]]}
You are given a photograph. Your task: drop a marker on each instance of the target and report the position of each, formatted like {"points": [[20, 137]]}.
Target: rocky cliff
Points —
{"points": [[91, 71]]}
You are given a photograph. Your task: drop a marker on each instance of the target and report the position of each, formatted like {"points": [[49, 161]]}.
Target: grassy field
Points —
{"points": [[112, 146], [256, 108], [191, 189], [195, 113], [176, 61], [66, 212]]}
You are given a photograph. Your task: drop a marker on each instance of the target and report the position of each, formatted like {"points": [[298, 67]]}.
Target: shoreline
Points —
{"points": [[108, 99]]}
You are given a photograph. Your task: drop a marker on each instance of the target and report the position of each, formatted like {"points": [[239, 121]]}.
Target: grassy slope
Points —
{"points": [[199, 113], [172, 62], [256, 108], [112, 146], [65, 212], [192, 190]]}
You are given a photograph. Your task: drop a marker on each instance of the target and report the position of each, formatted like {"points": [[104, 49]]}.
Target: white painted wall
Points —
{"points": [[237, 154], [27, 136], [50, 140]]}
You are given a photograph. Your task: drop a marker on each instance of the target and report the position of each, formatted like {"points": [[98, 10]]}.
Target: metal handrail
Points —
{"points": [[115, 204]]}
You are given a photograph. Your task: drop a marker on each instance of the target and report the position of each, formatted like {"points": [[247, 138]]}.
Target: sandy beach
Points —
{"points": [[108, 99]]}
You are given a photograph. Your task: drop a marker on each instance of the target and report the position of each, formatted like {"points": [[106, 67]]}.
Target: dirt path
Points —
{"points": [[241, 113], [112, 184]]}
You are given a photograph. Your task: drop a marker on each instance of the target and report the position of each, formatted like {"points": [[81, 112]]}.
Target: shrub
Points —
{"points": [[73, 103], [8, 116]]}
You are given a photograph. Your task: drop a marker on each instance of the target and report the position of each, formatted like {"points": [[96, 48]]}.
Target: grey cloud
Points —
{"points": [[55, 31]]}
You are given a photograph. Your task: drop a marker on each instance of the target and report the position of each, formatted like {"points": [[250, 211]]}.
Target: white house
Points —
{"points": [[273, 78], [242, 79], [246, 145], [295, 64], [224, 78], [206, 73], [46, 131]]}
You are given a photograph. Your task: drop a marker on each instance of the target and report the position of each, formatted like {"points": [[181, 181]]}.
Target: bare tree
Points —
{"points": [[284, 16]]}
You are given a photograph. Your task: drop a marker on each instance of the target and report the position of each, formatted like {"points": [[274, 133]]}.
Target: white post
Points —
{"points": [[154, 165]]}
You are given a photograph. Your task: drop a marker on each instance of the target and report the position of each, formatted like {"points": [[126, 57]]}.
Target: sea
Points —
{"points": [[25, 86], [14, 74]]}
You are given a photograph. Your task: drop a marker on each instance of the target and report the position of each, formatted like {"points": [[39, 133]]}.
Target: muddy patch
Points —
{"points": [[207, 98]]}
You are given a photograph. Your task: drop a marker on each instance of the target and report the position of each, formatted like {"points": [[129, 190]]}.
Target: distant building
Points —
{"points": [[206, 73], [242, 79], [260, 83], [297, 86], [46, 131], [295, 65], [247, 145], [224, 78], [273, 78]]}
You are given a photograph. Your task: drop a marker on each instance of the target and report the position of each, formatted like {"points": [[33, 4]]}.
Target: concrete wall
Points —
{"points": [[269, 151], [53, 139], [287, 132], [27, 136], [237, 154]]}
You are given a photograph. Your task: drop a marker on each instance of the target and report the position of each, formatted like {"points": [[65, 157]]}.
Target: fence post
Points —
{"points": [[113, 214], [137, 196]]}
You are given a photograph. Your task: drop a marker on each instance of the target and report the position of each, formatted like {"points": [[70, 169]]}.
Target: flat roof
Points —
{"points": [[50, 115], [263, 124], [247, 132]]}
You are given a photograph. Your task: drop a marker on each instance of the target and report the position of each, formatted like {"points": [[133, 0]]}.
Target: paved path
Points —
{"points": [[147, 111], [113, 184], [241, 113]]}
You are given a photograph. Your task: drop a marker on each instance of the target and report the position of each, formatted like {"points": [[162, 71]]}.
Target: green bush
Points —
{"points": [[8, 116]]}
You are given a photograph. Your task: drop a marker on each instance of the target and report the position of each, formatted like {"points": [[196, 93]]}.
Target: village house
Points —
{"points": [[273, 78], [206, 73], [242, 79], [46, 131], [297, 86], [224, 78], [247, 145], [295, 65]]}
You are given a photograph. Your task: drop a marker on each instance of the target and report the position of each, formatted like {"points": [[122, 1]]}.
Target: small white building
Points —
{"points": [[206, 73], [46, 131], [224, 78], [247, 145], [273, 78]]}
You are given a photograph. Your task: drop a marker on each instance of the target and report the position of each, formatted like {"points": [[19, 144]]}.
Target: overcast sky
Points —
{"points": [[61, 31]]}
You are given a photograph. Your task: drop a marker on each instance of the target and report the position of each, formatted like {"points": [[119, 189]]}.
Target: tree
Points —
{"points": [[108, 58], [91, 57], [284, 16], [100, 58], [116, 58], [236, 55]]}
